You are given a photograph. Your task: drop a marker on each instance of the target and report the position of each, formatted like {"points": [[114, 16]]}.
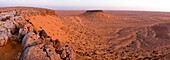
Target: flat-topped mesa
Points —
{"points": [[94, 11], [97, 14]]}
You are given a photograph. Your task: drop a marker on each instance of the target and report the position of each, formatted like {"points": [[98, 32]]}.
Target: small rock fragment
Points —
{"points": [[63, 54]]}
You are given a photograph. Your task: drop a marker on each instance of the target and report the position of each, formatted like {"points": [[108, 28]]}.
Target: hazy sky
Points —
{"points": [[151, 5]]}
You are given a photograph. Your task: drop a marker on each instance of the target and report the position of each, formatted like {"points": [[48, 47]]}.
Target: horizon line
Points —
{"points": [[133, 10]]}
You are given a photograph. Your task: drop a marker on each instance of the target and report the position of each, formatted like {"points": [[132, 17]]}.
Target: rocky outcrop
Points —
{"points": [[28, 11], [7, 27], [34, 52], [44, 47], [37, 44], [30, 39]]}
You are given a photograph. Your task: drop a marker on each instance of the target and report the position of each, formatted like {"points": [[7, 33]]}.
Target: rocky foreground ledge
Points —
{"points": [[37, 45]]}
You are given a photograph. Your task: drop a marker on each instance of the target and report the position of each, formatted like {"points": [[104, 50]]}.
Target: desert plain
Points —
{"points": [[31, 33]]}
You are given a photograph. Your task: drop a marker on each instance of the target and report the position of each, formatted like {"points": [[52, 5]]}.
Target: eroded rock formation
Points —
{"points": [[37, 45]]}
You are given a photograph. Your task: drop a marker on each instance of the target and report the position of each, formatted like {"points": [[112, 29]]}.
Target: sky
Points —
{"points": [[141, 5]]}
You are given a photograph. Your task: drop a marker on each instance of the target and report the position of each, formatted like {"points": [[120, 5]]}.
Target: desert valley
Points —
{"points": [[30, 33]]}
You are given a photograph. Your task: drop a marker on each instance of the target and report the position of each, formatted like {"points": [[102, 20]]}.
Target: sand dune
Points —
{"points": [[91, 35]]}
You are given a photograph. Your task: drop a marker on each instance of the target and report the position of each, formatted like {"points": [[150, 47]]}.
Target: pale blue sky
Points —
{"points": [[147, 5]]}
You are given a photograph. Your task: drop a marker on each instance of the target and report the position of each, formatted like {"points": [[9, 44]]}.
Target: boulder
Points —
{"points": [[52, 53], [20, 20], [56, 44], [3, 39], [6, 17], [4, 35], [30, 39], [24, 30], [22, 33], [67, 53], [43, 33], [34, 53], [28, 27], [16, 24], [9, 25]]}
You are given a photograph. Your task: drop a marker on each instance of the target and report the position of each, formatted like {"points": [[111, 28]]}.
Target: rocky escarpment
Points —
{"points": [[8, 26], [37, 45], [28, 11]]}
